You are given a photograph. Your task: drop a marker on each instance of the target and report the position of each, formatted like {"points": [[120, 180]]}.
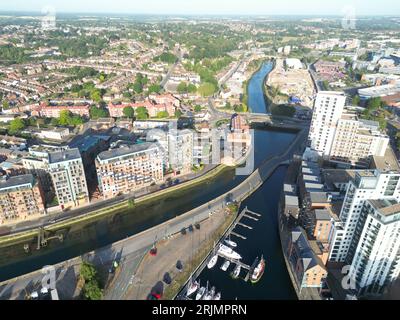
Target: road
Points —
{"points": [[171, 70]]}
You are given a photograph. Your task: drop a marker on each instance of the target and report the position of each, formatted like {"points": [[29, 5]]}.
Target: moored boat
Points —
{"points": [[192, 288], [225, 266], [229, 253], [213, 261], [200, 293], [258, 271], [230, 243], [236, 272]]}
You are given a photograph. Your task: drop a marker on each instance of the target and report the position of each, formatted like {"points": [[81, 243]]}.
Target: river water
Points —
{"points": [[263, 239]]}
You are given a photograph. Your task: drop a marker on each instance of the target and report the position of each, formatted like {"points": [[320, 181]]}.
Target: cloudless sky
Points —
{"points": [[244, 7]]}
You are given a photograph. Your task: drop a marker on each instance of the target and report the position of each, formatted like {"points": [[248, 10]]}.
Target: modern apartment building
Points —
{"points": [[376, 262], [367, 185], [357, 140], [180, 148], [68, 176], [328, 109], [21, 197], [127, 169]]}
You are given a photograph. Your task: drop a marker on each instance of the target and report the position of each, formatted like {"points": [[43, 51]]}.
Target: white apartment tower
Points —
{"points": [[357, 140], [367, 185], [180, 149], [328, 109], [68, 176], [376, 262]]}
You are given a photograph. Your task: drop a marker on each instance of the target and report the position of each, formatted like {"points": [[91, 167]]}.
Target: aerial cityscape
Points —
{"points": [[239, 152]]}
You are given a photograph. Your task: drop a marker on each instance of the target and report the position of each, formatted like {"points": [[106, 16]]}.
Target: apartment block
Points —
{"points": [[356, 141], [367, 185], [328, 109], [127, 169], [376, 261], [181, 147], [21, 197], [68, 176]]}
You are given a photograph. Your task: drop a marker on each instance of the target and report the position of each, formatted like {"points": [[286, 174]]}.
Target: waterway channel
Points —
{"points": [[263, 239]]}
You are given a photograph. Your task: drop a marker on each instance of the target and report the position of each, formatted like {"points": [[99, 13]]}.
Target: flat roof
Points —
{"points": [[123, 151], [66, 155], [386, 207], [322, 214], [332, 176], [386, 163], [385, 90], [17, 181], [291, 200], [319, 197]]}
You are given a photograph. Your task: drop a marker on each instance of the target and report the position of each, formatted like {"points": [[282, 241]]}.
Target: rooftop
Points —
{"points": [[291, 200], [380, 91], [66, 155], [333, 176], [386, 163], [386, 207], [124, 151], [17, 181], [322, 215], [319, 197]]}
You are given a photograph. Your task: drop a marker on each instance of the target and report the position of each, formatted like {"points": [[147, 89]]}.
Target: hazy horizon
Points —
{"points": [[209, 7]]}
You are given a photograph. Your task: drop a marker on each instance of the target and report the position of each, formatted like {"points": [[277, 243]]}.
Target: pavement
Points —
{"points": [[180, 248]]}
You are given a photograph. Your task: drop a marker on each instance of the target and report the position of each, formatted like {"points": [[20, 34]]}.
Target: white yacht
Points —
{"points": [[229, 253], [225, 266], [213, 261]]}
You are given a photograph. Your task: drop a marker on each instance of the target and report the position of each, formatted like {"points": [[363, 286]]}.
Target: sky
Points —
{"points": [[200, 7]]}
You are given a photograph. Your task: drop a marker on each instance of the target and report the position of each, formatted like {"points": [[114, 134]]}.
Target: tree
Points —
{"points": [[154, 88], [95, 95], [182, 87], [197, 108], [162, 115], [207, 89], [67, 119], [191, 88], [6, 105], [16, 125], [88, 272], [92, 291], [178, 113], [142, 113], [356, 100], [129, 112], [374, 104], [96, 113]]}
